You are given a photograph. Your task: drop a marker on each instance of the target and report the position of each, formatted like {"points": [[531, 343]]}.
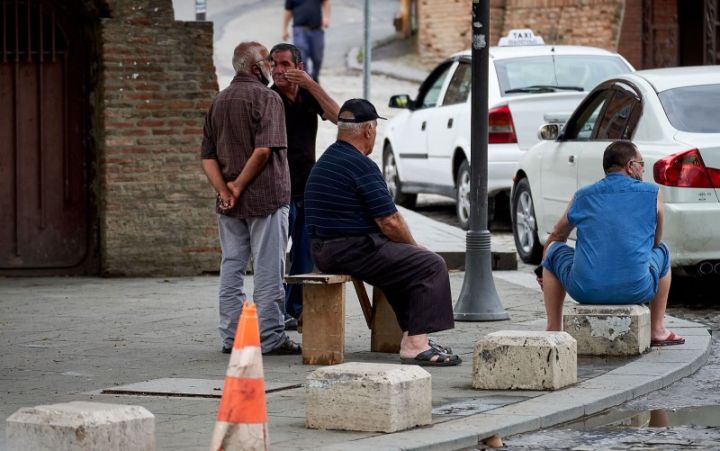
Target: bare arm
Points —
{"points": [[329, 106], [287, 15], [660, 218], [561, 231], [211, 168], [326, 13], [255, 164], [395, 228]]}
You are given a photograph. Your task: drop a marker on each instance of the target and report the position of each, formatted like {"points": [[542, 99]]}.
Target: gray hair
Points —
{"points": [[353, 128], [246, 54]]}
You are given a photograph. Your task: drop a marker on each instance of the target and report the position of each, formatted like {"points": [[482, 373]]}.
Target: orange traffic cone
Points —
{"points": [[242, 418]]}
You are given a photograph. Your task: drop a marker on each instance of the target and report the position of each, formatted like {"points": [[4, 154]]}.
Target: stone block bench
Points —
{"points": [[524, 360], [323, 318], [370, 397], [608, 329], [76, 426]]}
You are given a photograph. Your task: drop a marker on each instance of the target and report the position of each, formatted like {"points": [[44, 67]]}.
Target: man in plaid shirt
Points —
{"points": [[244, 155]]}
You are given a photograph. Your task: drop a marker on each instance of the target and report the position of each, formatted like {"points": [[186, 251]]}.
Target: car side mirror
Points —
{"points": [[549, 132], [401, 101]]}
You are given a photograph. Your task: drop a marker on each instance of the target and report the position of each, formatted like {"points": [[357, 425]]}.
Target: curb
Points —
{"points": [[649, 372]]}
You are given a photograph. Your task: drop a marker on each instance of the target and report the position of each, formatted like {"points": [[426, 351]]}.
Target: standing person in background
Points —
{"points": [[244, 157], [304, 100], [309, 18]]}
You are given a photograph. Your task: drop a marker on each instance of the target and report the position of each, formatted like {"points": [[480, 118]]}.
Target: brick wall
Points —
{"points": [[630, 44], [588, 22], [158, 79], [444, 25]]}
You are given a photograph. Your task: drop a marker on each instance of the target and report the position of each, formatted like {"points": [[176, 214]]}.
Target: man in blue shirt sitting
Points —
{"points": [[356, 229], [618, 257]]}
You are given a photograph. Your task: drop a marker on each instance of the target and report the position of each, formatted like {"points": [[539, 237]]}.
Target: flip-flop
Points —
{"points": [[425, 359], [670, 340], [435, 345]]}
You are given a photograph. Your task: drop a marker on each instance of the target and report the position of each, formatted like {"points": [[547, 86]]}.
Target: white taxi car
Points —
{"points": [[427, 147], [672, 116]]}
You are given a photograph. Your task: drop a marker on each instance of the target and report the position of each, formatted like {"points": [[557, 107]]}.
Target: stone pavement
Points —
{"points": [[64, 339]]}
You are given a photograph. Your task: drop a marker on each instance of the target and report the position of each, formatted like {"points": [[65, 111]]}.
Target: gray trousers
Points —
{"points": [[265, 239]]}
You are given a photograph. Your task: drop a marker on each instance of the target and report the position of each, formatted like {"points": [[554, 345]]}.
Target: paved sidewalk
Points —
{"points": [[64, 339]]}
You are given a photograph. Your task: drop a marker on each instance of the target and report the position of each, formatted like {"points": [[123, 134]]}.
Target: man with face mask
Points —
{"points": [[618, 256], [244, 156]]}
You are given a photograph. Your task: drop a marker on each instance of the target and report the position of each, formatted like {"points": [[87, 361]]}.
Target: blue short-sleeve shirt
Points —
{"points": [[345, 193], [614, 260]]}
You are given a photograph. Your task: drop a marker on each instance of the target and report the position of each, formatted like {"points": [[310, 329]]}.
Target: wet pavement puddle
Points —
{"points": [[694, 416]]}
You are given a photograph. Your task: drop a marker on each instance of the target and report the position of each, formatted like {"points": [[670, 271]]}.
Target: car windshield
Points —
{"points": [[540, 74], [692, 108]]}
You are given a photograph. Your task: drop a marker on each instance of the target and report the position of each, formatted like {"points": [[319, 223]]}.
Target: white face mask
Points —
{"points": [[265, 76]]}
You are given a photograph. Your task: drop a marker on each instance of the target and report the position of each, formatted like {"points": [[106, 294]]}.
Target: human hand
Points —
{"points": [[325, 21], [299, 77], [285, 35], [226, 199], [539, 275]]}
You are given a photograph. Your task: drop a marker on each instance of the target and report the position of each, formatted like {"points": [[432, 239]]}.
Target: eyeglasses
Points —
{"points": [[640, 162]]}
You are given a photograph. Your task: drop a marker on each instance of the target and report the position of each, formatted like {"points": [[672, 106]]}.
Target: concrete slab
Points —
{"points": [[80, 426]]}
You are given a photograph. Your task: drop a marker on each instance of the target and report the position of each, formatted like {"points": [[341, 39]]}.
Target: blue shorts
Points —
{"points": [[561, 257]]}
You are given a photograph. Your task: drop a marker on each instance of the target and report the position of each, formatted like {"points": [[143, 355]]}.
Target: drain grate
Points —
{"points": [[186, 388]]}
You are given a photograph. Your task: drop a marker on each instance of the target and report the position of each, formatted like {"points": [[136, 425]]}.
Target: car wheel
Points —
{"points": [[524, 224], [390, 173], [462, 195]]}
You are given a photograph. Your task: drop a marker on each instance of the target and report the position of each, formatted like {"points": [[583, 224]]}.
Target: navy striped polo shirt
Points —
{"points": [[344, 194]]}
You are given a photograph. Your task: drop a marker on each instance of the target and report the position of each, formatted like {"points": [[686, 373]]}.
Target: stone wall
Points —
{"points": [[155, 205], [444, 26]]}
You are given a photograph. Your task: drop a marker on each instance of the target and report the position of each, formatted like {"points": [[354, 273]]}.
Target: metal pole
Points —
{"points": [[478, 299], [200, 9], [367, 53]]}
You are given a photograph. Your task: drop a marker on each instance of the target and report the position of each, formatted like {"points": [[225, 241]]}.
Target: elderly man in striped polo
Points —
{"points": [[356, 229]]}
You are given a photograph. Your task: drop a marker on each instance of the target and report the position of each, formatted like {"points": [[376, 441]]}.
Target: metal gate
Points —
{"points": [[43, 177]]}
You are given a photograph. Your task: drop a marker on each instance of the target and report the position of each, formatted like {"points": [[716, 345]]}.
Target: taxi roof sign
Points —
{"points": [[520, 36]]}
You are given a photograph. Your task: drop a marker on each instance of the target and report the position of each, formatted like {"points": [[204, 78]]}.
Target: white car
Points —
{"points": [[427, 147], [673, 116]]}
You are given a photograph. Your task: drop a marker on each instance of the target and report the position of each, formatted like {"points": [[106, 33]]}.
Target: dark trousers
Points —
{"points": [[414, 280], [300, 259]]}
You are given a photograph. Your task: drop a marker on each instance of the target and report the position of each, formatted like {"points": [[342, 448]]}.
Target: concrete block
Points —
{"points": [[369, 397], [608, 329], [81, 426], [524, 360]]}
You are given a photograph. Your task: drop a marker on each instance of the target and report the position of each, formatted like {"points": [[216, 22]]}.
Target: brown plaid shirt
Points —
{"points": [[244, 116]]}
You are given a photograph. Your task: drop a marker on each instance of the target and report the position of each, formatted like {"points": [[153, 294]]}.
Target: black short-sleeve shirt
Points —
{"points": [[301, 119], [306, 13]]}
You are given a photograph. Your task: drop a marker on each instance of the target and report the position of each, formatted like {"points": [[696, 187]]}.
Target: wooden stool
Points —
{"points": [[323, 318]]}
